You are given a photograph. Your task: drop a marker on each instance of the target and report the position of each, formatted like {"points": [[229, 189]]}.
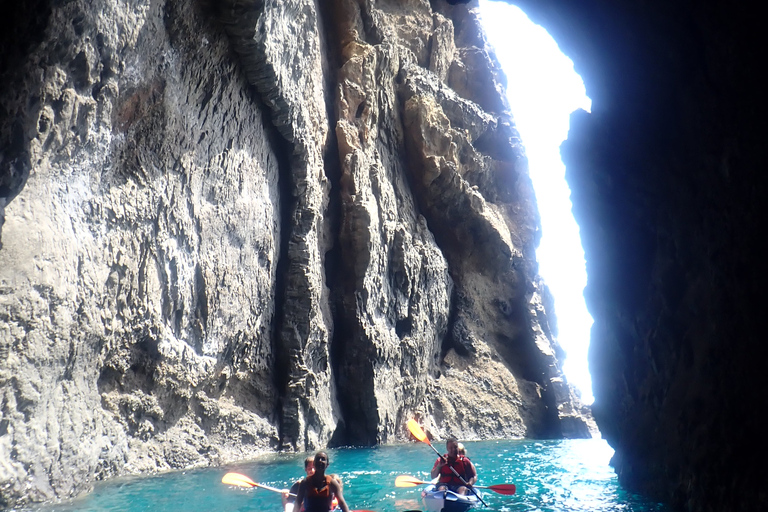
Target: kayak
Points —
{"points": [[447, 501]]}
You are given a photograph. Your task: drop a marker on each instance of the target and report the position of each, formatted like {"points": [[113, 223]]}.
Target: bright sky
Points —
{"points": [[543, 90]]}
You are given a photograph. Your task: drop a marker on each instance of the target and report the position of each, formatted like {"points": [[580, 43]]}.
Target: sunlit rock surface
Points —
{"points": [[234, 227], [138, 267]]}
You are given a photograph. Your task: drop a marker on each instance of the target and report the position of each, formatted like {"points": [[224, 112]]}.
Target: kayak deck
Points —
{"points": [[447, 501]]}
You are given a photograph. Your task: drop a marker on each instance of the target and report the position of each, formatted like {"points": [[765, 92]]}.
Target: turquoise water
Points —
{"points": [[563, 475]]}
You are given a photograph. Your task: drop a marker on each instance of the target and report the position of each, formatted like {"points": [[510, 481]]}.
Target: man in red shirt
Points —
{"points": [[449, 465]]}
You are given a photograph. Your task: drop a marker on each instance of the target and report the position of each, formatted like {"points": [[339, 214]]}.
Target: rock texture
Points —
{"points": [[138, 268], [233, 227], [668, 183]]}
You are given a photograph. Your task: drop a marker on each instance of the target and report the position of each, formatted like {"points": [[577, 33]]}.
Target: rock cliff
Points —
{"points": [[233, 227], [668, 186]]}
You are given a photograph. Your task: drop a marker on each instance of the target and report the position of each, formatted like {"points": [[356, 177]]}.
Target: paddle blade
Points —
{"points": [[407, 481], [417, 432], [506, 489], [237, 479]]}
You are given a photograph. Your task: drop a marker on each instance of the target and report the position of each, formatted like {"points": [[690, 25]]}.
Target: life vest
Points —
{"points": [[461, 466], [318, 499]]}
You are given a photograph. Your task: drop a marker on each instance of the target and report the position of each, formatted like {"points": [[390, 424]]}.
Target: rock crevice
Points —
{"points": [[250, 226]]}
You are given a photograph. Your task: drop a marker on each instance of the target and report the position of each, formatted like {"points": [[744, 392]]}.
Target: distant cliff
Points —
{"points": [[233, 227]]}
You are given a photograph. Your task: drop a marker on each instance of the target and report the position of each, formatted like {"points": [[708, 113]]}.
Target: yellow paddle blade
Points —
{"points": [[237, 479], [417, 432], [408, 481]]}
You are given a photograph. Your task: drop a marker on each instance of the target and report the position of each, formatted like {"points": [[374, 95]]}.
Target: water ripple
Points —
{"points": [[551, 476]]}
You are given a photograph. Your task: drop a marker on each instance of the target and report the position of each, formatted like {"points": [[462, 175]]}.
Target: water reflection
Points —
{"points": [[551, 476]]}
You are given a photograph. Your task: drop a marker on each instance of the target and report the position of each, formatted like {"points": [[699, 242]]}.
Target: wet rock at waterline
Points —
{"points": [[238, 227]]}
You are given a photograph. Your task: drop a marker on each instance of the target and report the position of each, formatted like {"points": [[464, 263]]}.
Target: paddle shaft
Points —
{"points": [[458, 475], [243, 481], [273, 489], [409, 481]]}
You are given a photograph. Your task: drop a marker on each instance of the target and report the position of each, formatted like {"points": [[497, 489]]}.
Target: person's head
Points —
{"points": [[452, 446], [309, 465], [321, 462], [460, 449]]}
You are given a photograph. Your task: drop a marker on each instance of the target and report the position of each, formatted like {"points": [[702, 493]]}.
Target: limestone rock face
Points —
{"points": [[138, 267], [279, 45], [234, 227]]}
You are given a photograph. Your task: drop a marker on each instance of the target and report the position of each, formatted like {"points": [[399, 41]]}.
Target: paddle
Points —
{"points": [[409, 481], [419, 434], [243, 481]]}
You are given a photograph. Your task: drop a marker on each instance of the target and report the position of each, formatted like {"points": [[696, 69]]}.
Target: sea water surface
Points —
{"points": [[562, 475]]}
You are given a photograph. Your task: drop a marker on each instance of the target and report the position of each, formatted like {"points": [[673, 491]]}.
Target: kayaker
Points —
{"points": [[289, 496], [317, 490], [462, 451], [462, 466]]}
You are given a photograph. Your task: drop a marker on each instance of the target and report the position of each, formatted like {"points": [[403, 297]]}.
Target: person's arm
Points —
{"points": [[284, 494], [439, 463], [472, 473], [336, 490], [300, 493], [289, 496]]}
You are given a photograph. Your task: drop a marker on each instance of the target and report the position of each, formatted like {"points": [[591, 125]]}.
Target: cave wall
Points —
{"points": [[147, 226], [237, 227], [667, 184]]}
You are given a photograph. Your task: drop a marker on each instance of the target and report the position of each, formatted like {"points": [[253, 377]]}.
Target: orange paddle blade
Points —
{"points": [[408, 481], [417, 431], [237, 479]]}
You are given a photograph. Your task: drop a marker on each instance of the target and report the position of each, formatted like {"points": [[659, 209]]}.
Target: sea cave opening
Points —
{"points": [[543, 89]]}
